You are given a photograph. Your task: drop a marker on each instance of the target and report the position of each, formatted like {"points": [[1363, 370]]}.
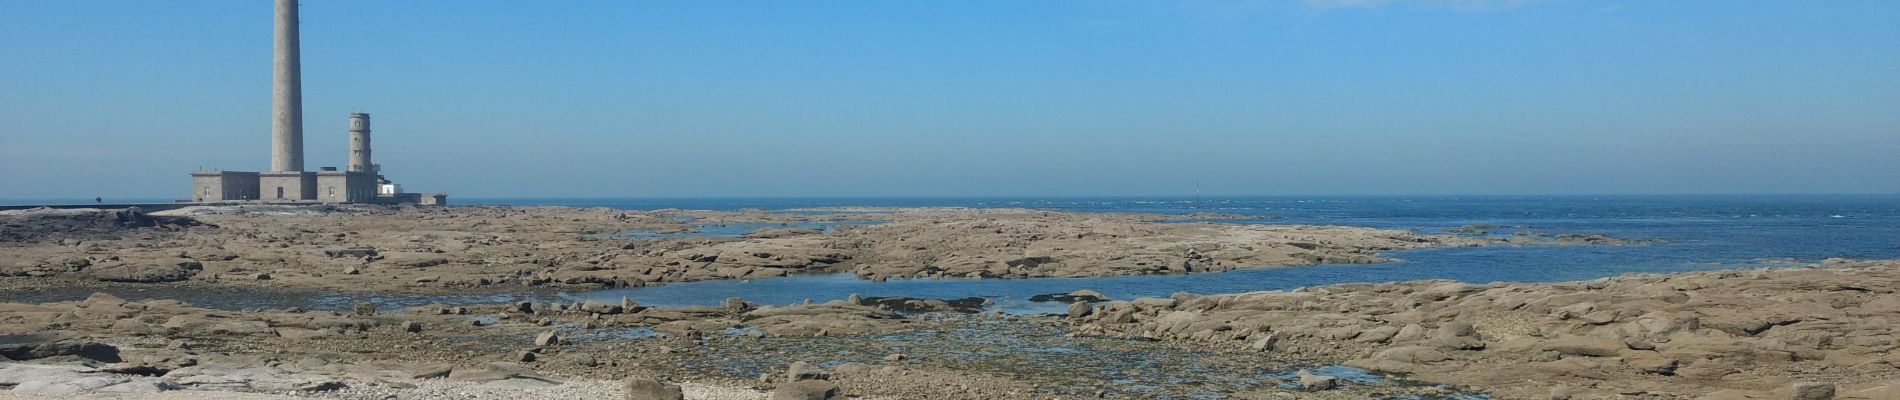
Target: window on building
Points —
{"points": [[333, 192]]}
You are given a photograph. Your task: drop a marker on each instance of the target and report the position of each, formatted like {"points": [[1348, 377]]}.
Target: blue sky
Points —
{"points": [[970, 98]]}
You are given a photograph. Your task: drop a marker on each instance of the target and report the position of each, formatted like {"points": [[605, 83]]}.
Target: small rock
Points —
{"points": [[1813, 391], [1266, 343], [1311, 382], [412, 326], [598, 307], [548, 338], [648, 389], [1080, 309], [526, 356], [350, 252], [363, 309], [894, 357]]}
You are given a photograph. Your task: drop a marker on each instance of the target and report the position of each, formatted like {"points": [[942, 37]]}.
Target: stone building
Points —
{"points": [[346, 186], [216, 186], [287, 181]]}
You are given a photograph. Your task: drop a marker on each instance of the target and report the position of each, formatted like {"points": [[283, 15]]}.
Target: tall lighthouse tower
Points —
{"points": [[286, 180], [286, 107]]}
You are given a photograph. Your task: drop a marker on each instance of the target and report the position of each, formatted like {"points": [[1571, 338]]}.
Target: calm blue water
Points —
{"points": [[1697, 233]]}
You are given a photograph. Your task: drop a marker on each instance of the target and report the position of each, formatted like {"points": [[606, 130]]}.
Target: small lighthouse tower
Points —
{"points": [[359, 144]]}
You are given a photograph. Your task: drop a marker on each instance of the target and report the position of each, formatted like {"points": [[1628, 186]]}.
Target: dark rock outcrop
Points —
{"points": [[152, 271]]}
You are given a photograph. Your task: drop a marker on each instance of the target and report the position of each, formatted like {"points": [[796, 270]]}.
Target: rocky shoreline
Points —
{"points": [[370, 248], [1735, 334], [1738, 334], [105, 345]]}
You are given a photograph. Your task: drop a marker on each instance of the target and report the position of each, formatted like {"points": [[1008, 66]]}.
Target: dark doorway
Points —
{"points": [[280, 192]]}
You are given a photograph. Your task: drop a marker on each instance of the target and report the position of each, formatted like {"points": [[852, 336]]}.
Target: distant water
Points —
{"points": [[1696, 233]]}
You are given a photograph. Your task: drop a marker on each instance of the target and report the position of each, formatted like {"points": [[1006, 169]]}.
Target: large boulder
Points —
{"points": [[648, 389]]}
